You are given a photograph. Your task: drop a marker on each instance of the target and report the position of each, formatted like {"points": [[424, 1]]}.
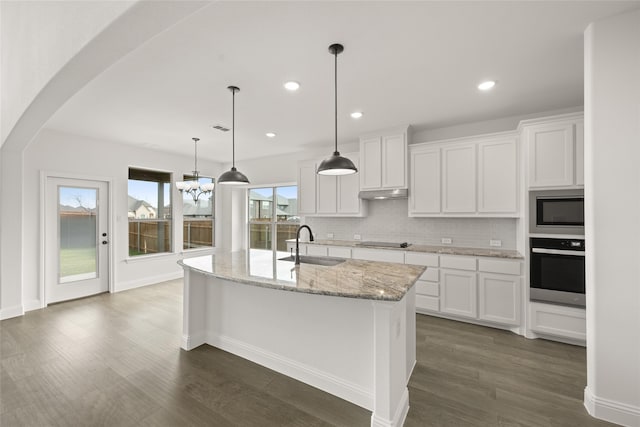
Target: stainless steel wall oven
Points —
{"points": [[557, 271]]}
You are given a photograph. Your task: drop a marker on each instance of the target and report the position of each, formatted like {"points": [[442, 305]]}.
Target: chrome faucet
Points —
{"points": [[298, 241]]}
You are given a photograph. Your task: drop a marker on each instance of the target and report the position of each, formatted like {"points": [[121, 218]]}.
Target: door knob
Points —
{"points": [[104, 242], [104, 234]]}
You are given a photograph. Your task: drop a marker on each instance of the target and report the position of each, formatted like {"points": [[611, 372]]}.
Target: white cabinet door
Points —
{"points": [[551, 155], [499, 298], [424, 188], [327, 191], [348, 189], [394, 161], [579, 153], [498, 176], [557, 320], [307, 187], [371, 162], [459, 179], [458, 293]]}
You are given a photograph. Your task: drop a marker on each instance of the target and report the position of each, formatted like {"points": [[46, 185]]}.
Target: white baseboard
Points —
{"points": [[398, 418], [9, 312], [301, 372], [610, 410], [189, 342], [34, 304], [148, 280]]}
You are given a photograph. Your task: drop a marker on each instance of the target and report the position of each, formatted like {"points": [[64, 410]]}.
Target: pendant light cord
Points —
{"points": [[335, 97], [233, 128], [195, 149]]}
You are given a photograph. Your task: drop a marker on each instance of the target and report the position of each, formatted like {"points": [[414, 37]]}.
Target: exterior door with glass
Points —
{"points": [[76, 239]]}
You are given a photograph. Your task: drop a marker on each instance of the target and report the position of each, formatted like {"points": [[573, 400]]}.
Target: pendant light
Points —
{"points": [[233, 176], [336, 164], [194, 188]]}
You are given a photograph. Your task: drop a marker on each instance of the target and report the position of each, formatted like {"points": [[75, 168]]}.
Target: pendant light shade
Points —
{"points": [[233, 176], [336, 164]]}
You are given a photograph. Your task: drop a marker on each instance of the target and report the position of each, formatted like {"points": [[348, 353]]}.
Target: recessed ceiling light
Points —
{"points": [[487, 85], [270, 134], [356, 114], [292, 86]]}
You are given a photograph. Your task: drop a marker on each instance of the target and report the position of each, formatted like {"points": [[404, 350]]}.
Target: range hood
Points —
{"points": [[401, 193]]}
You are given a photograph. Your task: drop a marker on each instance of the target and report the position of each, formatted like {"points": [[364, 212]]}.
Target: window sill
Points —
{"points": [[151, 257]]}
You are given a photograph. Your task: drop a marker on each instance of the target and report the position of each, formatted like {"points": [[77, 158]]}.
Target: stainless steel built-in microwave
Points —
{"points": [[557, 212]]}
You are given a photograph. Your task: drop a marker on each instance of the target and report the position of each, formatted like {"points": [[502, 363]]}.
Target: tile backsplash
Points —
{"points": [[388, 220]]}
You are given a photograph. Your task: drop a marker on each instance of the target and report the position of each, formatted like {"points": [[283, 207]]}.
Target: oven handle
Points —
{"points": [[556, 252]]}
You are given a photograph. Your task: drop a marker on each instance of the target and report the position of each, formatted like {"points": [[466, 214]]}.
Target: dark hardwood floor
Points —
{"points": [[115, 360]]}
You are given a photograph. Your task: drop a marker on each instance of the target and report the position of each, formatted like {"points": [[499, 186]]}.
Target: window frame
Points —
{"points": [[273, 222], [158, 173], [187, 177]]}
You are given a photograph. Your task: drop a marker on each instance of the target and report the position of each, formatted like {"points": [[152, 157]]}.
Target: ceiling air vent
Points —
{"points": [[221, 128]]}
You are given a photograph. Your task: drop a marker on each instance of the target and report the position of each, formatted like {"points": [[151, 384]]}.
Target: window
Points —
{"points": [[198, 218], [273, 211], [149, 212]]}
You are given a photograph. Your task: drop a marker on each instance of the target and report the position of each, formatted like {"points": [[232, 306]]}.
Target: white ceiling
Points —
{"points": [[414, 63]]}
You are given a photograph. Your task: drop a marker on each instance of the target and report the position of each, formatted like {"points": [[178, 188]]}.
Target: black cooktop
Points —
{"points": [[385, 244]]}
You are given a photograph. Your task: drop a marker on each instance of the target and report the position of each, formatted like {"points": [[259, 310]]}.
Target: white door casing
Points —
{"points": [[76, 238]]}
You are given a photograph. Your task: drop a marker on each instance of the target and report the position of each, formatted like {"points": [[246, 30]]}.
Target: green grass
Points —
{"points": [[77, 261]]}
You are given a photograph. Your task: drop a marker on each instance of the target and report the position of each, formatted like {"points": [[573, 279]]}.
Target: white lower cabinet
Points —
{"points": [[499, 298], [459, 293], [558, 321]]}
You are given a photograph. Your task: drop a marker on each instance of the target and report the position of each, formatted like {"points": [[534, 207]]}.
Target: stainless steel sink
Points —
{"points": [[318, 260]]}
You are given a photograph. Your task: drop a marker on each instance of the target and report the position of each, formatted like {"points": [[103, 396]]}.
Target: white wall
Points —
{"points": [[79, 156], [612, 221]]}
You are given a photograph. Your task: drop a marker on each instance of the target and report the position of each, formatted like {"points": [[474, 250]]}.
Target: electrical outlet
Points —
{"points": [[446, 240], [329, 235], [496, 243], [357, 237]]}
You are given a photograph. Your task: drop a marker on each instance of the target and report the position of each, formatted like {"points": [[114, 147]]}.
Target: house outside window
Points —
{"points": [[273, 217], [198, 226], [149, 212]]}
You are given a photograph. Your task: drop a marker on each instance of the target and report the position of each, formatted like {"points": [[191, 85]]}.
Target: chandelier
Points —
{"points": [[194, 188]]}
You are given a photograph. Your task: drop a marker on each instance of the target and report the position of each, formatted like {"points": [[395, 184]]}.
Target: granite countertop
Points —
{"points": [[442, 250], [351, 279]]}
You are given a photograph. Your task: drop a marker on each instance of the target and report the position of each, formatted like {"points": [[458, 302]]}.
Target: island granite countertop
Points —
{"points": [[442, 250], [350, 279]]}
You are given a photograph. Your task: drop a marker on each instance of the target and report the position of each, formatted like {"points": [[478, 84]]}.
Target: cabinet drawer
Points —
{"points": [[416, 258], [427, 288], [427, 303], [430, 275], [381, 255], [458, 262], [315, 250], [502, 266], [567, 322], [339, 252]]}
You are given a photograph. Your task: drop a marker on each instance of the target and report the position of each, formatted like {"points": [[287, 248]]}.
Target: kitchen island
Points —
{"points": [[347, 329]]}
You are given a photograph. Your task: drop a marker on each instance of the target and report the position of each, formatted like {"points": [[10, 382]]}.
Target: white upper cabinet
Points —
{"points": [[459, 179], [325, 195], [556, 151], [307, 187], [383, 161], [327, 192], [498, 176], [579, 152], [348, 189], [424, 196], [476, 176]]}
